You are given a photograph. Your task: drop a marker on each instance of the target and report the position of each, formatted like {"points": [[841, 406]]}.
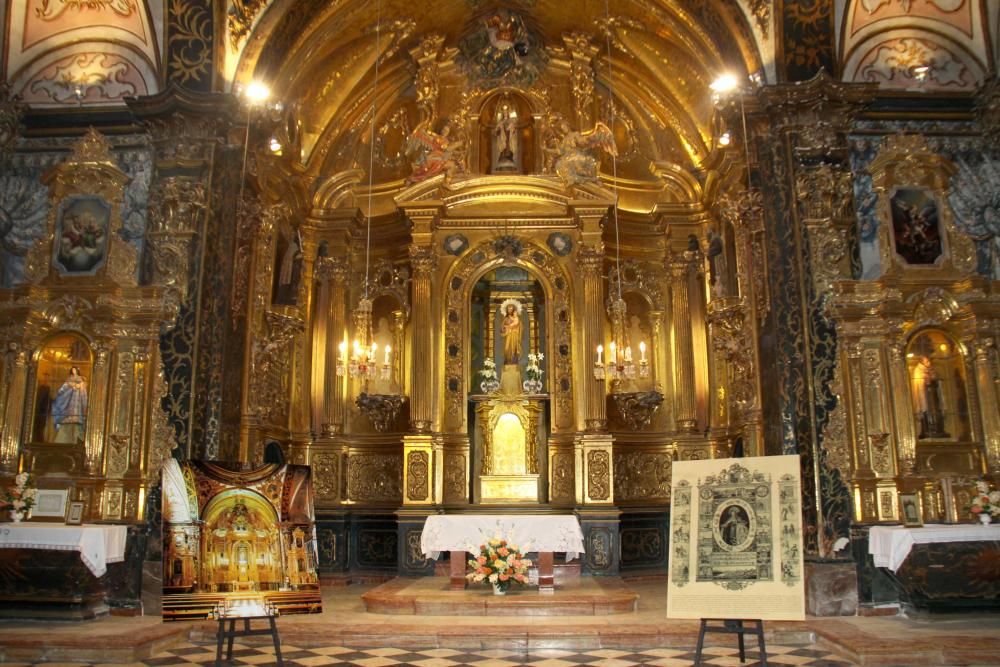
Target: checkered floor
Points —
{"points": [[336, 656]]}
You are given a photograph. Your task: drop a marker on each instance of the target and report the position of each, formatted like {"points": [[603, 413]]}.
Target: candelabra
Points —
{"points": [[620, 364], [363, 362]]}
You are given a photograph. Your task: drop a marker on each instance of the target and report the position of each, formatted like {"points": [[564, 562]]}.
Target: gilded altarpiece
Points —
{"points": [[83, 375], [918, 364]]}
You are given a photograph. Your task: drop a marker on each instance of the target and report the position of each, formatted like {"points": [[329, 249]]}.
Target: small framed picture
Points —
{"points": [[50, 505], [909, 510], [75, 515]]}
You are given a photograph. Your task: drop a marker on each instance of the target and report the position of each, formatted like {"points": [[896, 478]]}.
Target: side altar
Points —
{"points": [[508, 426]]}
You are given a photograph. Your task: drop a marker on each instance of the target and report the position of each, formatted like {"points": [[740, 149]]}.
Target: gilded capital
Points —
{"points": [[590, 259], [423, 259]]}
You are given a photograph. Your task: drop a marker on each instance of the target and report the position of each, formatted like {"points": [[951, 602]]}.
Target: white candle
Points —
{"points": [[388, 349], [343, 350], [600, 351], [642, 351], [612, 353], [628, 353]]}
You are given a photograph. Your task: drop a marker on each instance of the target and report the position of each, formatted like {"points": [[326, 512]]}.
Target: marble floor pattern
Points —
{"points": [[189, 654]]}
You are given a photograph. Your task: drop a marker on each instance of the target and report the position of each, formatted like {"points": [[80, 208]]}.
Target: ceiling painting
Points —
{"points": [[916, 45]]}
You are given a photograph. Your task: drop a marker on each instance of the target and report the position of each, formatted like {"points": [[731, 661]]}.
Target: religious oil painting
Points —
{"points": [[736, 539], [82, 235], [238, 535], [915, 227], [61, 391]]}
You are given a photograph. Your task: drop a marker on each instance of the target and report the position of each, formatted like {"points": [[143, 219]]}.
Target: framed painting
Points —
{"points": [[75, 515], [50, 504], [916, 229], [909, 510], [81, 239]]}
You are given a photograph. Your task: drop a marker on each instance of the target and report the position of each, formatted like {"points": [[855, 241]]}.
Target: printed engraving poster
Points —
{"points": [[736, 539]]}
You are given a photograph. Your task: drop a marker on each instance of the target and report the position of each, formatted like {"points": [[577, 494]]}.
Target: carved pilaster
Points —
{"points": [[684, 391], [424, 262], [423, 469], [13, 413], [906, 438], [595, 474], [96, 408], [591, 262], [986, 384]]}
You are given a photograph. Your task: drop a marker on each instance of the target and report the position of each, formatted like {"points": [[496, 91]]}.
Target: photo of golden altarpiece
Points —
{"points": [[481, 258]]}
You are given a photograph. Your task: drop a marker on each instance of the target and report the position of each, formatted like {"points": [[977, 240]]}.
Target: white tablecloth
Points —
{"points": [[459, 532], [890, 545], [98, 545]]}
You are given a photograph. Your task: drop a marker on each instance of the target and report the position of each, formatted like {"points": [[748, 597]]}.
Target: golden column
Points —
{"points": [[333, 272], [591, 262], [986, 385], [94, 437], [684, 390], [422, 452], [906, 437], [10, 435]]}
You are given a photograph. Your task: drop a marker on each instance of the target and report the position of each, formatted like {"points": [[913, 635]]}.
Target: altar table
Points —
{"points": [[890, 545], [463, 533], [98, 545]]}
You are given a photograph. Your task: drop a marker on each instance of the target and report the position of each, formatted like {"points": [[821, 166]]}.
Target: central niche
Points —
{"points": [[509, 416]]}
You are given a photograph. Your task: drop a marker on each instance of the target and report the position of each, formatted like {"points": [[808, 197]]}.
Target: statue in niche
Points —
{"points": [[576, 162], [69, 409], [510, 331], [506, 152], [289, 273], [434, 153], [716, 254], [927, 396]]}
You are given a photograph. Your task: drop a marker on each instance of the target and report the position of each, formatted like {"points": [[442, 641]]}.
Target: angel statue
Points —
{"points": [[434, 153], [576, 162]]}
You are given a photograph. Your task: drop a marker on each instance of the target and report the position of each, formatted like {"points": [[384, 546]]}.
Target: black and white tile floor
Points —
{"points": [[186, 655]]}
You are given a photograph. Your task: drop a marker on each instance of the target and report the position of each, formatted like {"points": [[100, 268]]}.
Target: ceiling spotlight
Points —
{"points": [[725, 139], [257, 92], [920, 72], [724, 84], [274, 145]]}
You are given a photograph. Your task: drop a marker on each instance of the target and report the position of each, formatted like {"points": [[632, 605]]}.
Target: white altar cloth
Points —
{"points": [[890, 545], [458, 532], [98, 545]]}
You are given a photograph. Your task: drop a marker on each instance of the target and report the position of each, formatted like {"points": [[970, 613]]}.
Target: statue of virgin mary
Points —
{"points": [[69, 409]]}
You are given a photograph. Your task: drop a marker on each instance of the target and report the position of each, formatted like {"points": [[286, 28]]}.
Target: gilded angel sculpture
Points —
{"points": [[577, 161], [434, 153]]}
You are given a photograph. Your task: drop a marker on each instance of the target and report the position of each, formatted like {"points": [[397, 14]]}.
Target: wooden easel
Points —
{"points": [[733, 627]]}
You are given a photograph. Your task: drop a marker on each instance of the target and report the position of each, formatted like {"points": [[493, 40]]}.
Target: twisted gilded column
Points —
{"points": [[989, 401], [333, 303], [10, 440], [423, 262], [684, 390]]}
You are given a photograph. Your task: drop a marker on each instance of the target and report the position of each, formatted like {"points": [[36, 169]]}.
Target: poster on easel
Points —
{"points": [[235, 535], [736, 539]]}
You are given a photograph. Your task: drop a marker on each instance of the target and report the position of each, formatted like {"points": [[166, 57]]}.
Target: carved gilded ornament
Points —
{"points": [[836, 444], [417, 475], [11, 110], [732, 338], [642, 476], [562, 476], [599, 475], [326, 470], [375, 477], [454, 477]]}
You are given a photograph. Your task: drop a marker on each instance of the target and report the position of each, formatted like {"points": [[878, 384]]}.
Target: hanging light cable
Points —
{"points": [[620, 365], [363, 360]]}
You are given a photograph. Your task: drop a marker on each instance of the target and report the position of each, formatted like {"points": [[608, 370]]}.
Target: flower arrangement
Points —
{"points": [[499, 562], [489, 383], [533, 372], [20, 497], [985, 502]]}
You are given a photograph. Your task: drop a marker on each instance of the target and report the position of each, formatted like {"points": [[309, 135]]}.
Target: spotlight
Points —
{"points": [[920, 72], [724, 84], [274, 145], [725, 139], [257, 92]]}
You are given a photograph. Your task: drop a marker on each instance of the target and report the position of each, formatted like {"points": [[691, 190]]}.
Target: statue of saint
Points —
{"points": [[69, 409], [927, 399], [510, 329], [506, 147]]}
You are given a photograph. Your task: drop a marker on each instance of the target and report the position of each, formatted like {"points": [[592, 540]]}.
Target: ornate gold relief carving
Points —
{"points": [[326, 468], [599, 475], [642, 475], [455, 487], [375, 477], [417, 475], [881, 453], [562, 477]]}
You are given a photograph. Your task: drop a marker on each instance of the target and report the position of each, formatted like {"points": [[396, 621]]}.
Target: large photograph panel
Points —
{"points": [[231, 534]]}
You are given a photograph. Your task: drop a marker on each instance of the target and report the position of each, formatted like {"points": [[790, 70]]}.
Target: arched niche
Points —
{"points": [[506, 135], [939, 401], [65, 364], [555, 284], [241, 545]]}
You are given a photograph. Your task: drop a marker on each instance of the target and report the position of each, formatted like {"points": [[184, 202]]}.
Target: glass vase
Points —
{"points": [[499, 589], [985, 518]]}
